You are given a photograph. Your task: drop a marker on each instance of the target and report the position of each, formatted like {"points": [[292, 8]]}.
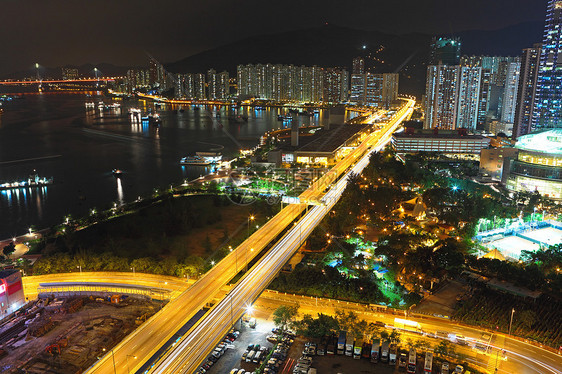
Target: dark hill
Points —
{"points": [[332, 45]]}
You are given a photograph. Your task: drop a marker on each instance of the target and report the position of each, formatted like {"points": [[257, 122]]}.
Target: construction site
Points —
{"points": [[64, 336]]}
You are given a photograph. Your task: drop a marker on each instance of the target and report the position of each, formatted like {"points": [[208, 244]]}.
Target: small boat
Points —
{"points": [[194, 160], [116, 172]]}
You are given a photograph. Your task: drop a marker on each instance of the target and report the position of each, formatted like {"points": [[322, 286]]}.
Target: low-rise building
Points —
{"points": [[11, 292], [538, 167], [452, 142]]}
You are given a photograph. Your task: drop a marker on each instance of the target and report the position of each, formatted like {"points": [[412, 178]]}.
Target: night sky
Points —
{"points": [[59, 32]]}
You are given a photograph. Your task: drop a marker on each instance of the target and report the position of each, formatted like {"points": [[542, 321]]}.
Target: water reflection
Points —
{"points": [[120, 197]]}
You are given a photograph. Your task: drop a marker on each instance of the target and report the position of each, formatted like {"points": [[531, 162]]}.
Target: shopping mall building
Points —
{"points": [[538, 166]]}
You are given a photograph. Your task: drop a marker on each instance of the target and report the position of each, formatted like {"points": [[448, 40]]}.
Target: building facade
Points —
{"points": [[526, 91], [441, 96], [456, 142], [11, 292], [538, 167], [445, 51], [547, 111]]}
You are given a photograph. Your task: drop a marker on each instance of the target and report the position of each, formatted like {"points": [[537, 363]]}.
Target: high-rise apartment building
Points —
{"points": [[335, 85], [69, 74], [548, 100], [217, 85], [358, 88], [526, 90], [509, 100], [470, 79], [291, 83], [358, 65], [445, 51], [136, 78], [191, 86], [441, 96]]}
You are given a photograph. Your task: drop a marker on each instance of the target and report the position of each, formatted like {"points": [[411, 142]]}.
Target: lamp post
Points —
{"points": [[511, 320], [135, 357], [113, 357], [79, 267], [133, 269], [250, 218]]}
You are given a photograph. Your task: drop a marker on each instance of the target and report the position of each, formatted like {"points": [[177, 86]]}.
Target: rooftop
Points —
{"points": [[548, 141]]}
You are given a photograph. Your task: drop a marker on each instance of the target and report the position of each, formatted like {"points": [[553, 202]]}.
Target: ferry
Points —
{"points": [[34, 180], [212, 157], [195, 160]]}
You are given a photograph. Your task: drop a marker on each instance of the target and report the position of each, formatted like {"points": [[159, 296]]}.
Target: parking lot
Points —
{"points": [[328, 364]]}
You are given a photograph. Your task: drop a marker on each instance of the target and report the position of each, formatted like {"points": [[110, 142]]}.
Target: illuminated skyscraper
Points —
{"points": [[358, 65], [548, 100], [509, 100], [445, 51], [441, 96], [526, 91], [217, 85], [468, 97]]}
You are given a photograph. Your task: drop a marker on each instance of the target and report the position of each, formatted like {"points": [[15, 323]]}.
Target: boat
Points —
{"points": [[212, 157], [194, 160], [90, 105], [134, 111], [116, 172], [34, 180]]}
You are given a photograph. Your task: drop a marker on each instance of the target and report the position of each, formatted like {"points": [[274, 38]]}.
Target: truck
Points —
{"points": [[408, 325], [384, 351], [357, 349], [375, 350], [392, 354], [428, 365], [412, 361], [341, 342], [349, 340]]}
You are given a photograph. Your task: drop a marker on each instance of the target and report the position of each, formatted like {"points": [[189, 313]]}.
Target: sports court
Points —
{"points": [[511, 246], [547, 236]]}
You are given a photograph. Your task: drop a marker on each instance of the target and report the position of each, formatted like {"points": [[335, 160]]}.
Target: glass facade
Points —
{"points": [[539, 164], [548, 101]]}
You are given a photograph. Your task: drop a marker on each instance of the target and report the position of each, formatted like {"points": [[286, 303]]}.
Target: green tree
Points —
{"points": [[285, 315], [9, 249]]}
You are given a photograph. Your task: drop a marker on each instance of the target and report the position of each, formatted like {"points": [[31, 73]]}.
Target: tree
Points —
{"points": [[445, 348], [284, 316], [9, 249], [527, 318]]}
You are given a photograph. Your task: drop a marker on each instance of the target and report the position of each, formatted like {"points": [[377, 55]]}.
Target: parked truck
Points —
{"points": [[375, 350], [428, 366], [412, 361], [349, 340], [357, 349], [392, 354], [385, 351], [341, 342]]}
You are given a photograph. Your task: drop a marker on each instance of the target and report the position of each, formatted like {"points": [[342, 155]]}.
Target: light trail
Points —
{"points": [[192, 349]]}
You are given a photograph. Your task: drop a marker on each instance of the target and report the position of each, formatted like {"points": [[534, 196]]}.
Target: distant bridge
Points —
{"points": [[86, 80]]}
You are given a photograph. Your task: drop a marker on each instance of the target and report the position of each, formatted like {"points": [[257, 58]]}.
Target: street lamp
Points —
{"points": [[250, 218], [113, 357], [133, 269], [79, 267], [127, 357], [511, 320]]}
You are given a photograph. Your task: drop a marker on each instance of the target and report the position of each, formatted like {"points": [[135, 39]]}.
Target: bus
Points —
{"points": [[428, 366], [412, 359]]}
